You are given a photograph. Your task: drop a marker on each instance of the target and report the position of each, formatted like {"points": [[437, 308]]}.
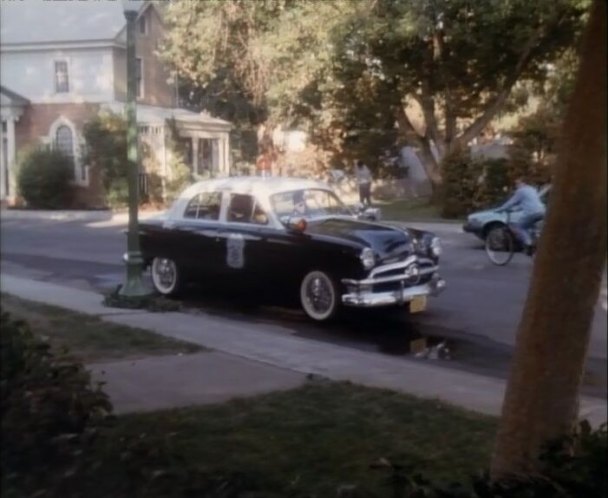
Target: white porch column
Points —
{"points": [[195, 155], [11, 155], [216, 158], [225, 163], [3, 172], [220, 157]]}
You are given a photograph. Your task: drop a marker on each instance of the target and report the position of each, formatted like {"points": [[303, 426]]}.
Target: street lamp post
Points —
{"points": [[133, 286]]}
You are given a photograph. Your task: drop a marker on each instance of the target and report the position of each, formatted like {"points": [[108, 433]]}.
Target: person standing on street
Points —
{"points": [[364, 180]]}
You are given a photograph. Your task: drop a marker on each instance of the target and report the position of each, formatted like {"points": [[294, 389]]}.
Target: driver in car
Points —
{"points": [[299, 204]]}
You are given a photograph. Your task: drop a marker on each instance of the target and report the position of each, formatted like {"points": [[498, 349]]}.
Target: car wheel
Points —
{"points": [[166, 277], [319, 296]]}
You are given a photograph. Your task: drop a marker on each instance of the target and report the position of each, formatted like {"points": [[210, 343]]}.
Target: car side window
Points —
{"points": [[204, 206], [245, 209]]}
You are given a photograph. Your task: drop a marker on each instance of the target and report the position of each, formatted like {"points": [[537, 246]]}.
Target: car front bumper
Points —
{"points": [[474, 228], [363, 297], [470, 227]]}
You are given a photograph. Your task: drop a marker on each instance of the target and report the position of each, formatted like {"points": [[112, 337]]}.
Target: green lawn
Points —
{"points": [[305, 442], [88, 338]]}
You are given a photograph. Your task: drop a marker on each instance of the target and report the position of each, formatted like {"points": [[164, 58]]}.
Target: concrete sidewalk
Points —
{"points": [[254, 347]]}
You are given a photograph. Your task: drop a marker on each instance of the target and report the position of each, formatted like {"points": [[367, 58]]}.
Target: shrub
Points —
{"points": [[461, 177], [50, 413], [107, 145], [44, 177], [106, 138], [495, 184]]}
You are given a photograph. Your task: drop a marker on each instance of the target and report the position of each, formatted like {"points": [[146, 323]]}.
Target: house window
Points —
{"points": [[143, 25], [62, 84], [139, 75], [64, 142]]}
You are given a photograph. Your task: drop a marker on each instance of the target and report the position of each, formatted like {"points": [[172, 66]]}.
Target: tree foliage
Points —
{"points": [[345, 69]]}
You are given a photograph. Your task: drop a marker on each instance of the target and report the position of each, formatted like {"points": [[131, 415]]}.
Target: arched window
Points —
{"points": [[64, 141]]}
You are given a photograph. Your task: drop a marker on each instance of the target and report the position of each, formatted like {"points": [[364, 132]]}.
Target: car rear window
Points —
{"points": [[204, 206]]}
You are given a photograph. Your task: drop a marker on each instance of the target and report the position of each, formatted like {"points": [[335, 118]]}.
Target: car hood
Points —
{"points": [[488, 215], [387, 242]]}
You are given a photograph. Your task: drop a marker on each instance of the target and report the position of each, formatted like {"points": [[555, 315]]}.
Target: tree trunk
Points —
{"points": [[431, 166], [541, 401]]}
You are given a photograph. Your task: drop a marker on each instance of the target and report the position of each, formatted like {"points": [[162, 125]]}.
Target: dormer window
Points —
{"points": [[62, 83], [143, 25]]}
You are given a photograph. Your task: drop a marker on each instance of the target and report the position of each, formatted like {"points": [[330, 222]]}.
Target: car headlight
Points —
{"points": [[367, 258], [435, 247]]}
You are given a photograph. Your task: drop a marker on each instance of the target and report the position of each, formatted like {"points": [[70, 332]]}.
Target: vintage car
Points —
{"points": [[293, 236], [482, 223]]}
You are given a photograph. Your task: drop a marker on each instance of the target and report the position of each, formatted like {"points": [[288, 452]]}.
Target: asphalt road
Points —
{"points": [[477, 314]]}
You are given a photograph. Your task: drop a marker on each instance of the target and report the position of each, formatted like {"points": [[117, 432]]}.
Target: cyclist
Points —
{"points": [[532, 210]]}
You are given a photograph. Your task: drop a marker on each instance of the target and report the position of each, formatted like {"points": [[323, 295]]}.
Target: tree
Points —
{"points": [[446, 68], [344, 66], [541, 401]]}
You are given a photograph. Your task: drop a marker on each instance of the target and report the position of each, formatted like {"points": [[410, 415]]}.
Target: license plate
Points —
{"points": [[417, 304]]}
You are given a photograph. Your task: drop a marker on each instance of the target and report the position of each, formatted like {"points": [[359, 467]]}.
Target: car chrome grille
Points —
{"points": [[411, 271]]}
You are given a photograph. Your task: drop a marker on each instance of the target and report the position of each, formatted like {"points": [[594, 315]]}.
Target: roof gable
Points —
{"points": [[42, 22], [8, 97]]}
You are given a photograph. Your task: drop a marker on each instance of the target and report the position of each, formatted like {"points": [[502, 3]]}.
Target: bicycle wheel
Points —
{"points": [[500, 245]]}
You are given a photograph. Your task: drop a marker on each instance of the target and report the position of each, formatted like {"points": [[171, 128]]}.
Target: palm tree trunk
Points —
{"points": [[541, 401]]}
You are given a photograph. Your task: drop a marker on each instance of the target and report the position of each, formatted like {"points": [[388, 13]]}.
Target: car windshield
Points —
{"points": [[308, 203]]}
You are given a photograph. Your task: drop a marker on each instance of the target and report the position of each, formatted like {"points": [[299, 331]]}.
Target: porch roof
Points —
{"points": [[151, 115], [8, 97]]}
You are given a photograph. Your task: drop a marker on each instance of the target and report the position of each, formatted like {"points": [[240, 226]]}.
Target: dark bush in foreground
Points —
{"points": [[571, 467], [44, 178], [50, 413]]}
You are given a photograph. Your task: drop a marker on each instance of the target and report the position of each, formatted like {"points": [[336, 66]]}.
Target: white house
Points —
{"points": [[63, 62]]}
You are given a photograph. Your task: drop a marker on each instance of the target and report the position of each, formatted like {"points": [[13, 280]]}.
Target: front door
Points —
{"points": [[243, 240]]}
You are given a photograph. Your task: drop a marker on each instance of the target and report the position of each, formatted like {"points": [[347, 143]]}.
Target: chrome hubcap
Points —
{"points": [[165, 273], [319, 294]]}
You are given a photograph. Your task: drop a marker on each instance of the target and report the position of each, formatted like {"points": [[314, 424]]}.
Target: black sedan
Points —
{"points": [[293, 236]]}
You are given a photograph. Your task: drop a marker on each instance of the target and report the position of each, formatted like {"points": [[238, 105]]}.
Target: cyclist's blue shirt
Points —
{"points": [[526, 198]]}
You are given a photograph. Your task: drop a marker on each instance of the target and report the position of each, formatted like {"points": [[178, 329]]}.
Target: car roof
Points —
{"points": [[260, 187]]}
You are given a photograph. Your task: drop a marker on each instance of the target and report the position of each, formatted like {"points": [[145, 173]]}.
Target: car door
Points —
{"points": [[240, 238], [199, 228]]}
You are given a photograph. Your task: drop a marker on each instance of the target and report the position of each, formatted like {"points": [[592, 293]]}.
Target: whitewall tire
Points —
{"points": [[319, 296], [166, 277]]}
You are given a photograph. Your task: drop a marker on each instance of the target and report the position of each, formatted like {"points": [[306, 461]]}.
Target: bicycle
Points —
{"points": [[502, 243]]}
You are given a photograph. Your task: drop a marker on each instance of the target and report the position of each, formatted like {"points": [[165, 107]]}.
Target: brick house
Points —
{"points": [[64, 62]]}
